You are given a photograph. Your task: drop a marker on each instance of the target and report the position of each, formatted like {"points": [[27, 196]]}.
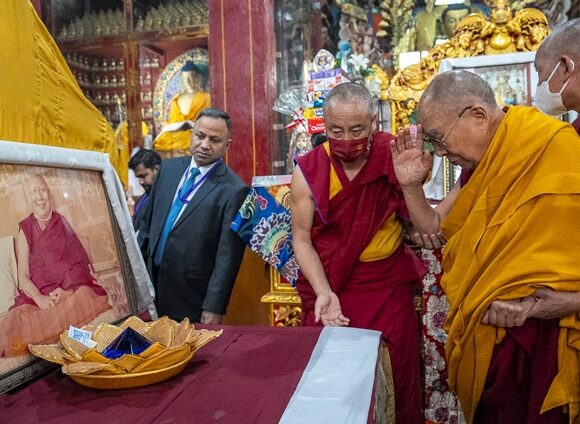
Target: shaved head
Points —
{"points": [[350, 93], [451, 91], [459, 116], [38, 195], [564, 40]]}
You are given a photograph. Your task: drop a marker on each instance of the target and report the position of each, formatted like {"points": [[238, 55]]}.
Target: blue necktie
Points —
{"points": [[176, 206]]}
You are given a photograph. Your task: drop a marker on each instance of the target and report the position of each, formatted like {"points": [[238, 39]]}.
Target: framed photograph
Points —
{"points": [[511, 76], [67, 251], [511, 84]]}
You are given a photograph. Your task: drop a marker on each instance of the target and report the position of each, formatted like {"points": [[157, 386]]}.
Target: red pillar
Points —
{"points": [[242, 47]]}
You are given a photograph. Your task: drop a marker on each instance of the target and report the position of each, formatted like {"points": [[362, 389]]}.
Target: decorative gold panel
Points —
{"points": [[285, 310]]}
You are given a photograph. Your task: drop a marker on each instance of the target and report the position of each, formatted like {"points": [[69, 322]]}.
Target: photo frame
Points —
{"points": [[68, 253], [513, 78]]}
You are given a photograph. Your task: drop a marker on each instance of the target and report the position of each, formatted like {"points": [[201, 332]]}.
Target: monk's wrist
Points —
{"points": [[322, 290], [412, 186]]}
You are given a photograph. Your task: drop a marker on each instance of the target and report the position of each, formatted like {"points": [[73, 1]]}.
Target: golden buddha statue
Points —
{"points": [[184, 107], [451, 17]]}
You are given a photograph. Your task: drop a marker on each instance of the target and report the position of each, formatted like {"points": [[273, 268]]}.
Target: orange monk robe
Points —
{"points": [[180, 140], [513, 229]]}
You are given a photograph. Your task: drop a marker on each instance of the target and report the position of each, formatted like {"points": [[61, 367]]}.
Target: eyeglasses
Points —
{"points": [[436, 141]]}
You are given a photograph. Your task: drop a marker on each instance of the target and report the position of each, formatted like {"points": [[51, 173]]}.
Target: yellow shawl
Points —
{"points": [[40, 100], [514, 228]]}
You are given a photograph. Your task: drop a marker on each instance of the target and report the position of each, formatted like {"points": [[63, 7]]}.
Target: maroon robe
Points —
{"points": [[374, 295], [56, 258], [576, 125]]}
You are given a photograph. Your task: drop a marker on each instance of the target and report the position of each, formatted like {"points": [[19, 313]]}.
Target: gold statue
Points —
{"points": [[533, 26], [426, 26], [473, 36], [451, 17], [174, 138]]}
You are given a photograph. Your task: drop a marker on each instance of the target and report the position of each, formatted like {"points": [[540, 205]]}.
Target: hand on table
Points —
{"points": [[208, 317], [411, 163], [327, 309]]}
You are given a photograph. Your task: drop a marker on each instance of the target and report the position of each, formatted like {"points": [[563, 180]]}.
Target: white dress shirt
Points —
{"points": [[203, 171]]}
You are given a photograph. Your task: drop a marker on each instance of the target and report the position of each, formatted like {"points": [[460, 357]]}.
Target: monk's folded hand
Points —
{"points": [[45, 302], [509, 313], [327, 310], [411, 163], [58, 294], [554, 304], [427, 241]]}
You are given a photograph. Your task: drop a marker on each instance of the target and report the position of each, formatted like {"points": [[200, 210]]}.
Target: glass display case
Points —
{"points": [[117, 49]]}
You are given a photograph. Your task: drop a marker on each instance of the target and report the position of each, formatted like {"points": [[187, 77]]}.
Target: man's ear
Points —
{"points": [[156, 168], [480, 113], [374, 126], [569, 66]]}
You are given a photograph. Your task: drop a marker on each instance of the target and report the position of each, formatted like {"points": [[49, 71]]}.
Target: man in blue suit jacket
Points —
{"points": [[193, 257]]}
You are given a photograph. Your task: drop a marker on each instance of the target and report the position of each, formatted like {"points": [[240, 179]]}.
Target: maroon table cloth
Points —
{"points": [[247, 375]]}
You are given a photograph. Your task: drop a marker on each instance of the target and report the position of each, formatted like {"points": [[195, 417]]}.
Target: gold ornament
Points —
{"points": [[474, 36]]}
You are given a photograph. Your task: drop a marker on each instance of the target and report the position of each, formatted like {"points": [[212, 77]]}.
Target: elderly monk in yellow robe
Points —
{"points": [[174, 138], [512, 232]]}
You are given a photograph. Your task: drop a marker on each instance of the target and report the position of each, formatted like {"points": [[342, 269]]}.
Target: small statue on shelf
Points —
{"points": [[451, 17], [174, 138], [426, 26]]}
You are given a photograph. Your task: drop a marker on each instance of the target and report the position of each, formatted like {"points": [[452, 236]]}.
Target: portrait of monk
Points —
{"points": [[56, 284]]}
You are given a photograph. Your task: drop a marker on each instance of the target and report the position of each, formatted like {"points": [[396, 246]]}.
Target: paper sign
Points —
{"points": [[82, 336]]}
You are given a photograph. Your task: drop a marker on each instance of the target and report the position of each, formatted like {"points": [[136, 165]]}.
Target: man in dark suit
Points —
{"points": [[193, 256], [145, 164]]}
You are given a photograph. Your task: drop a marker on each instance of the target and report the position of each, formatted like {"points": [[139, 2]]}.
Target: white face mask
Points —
{"points": [[548, 102]]}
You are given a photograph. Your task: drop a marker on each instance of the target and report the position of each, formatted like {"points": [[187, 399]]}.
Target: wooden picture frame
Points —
{"points": [[63, 212]]}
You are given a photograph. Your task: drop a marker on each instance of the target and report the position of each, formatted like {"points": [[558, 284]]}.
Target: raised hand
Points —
{"points": [[411, 163]]}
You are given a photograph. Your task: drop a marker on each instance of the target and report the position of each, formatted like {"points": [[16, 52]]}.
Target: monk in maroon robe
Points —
{"points": [[347, 236], [56, 286]]}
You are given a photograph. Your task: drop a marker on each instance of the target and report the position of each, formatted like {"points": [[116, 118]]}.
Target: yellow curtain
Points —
{"points": [[40, 100]]}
